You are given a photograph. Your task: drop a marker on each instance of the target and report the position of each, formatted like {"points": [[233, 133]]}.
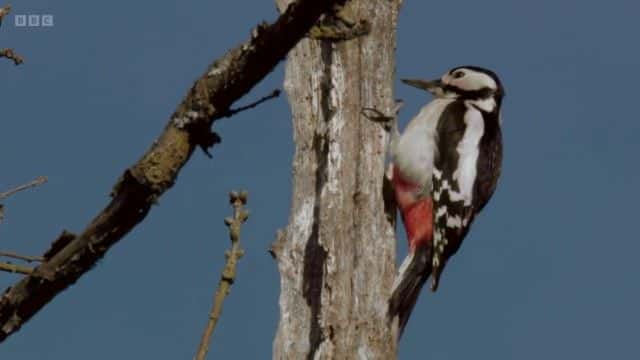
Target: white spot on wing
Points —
{"points": [[454, 221], [445, 186]]}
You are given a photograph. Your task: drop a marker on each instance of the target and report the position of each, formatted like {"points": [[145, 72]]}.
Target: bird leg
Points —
{"points": [[388, 122]]}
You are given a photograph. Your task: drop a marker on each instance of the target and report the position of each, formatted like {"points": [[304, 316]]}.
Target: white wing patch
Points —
{"points": [[452, 215], [468, 151]]}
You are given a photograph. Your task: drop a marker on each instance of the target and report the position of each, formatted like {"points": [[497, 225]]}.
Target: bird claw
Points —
{"points": [[387, 121], [377, 116]]}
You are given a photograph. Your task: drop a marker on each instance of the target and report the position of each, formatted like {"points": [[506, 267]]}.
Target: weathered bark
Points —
{"points": [[337, 255]]}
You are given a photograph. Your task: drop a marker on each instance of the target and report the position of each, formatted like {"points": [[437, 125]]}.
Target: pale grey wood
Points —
{"points": [[336, 257]]}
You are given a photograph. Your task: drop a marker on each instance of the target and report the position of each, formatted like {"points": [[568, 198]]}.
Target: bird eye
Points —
{"points": [[458, 74]]}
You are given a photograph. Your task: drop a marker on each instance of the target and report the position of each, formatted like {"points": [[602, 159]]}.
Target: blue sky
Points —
{"points": [[549, 269]]}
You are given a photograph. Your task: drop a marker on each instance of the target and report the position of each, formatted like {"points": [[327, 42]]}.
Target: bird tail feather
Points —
{"points": [[412, 275]]}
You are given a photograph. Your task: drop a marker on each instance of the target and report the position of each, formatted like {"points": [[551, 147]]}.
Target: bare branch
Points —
{"points": [[12, 268], [33, 183], [225, 81], [11, 55], [214, 138], [238, 200], [37, 181]]}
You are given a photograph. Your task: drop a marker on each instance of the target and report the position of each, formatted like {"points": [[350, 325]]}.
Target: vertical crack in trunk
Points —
{"points": [[315, 255], [314, 259]]}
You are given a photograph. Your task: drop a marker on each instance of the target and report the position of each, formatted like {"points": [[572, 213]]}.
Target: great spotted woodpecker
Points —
{"points": [[445, 167]]}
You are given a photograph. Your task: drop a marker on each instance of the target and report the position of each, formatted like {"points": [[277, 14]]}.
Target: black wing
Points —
{"points": [[463, 180]]}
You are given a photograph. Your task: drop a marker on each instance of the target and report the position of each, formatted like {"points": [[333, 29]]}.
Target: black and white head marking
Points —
{"points": [[480, 87], [472, 82]]}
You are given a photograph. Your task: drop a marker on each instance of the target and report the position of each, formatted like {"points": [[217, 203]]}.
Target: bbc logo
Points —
{"points": [[32, 20]]}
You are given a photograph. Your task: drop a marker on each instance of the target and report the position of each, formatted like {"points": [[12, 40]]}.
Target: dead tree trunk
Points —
{"points": [[337, 255]]}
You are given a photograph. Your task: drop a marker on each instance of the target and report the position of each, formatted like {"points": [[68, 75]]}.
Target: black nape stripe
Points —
{"points": [[483, 93]]}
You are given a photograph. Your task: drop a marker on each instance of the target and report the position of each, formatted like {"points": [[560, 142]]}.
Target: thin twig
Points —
{"points": [[37, 181], [26, 258], [274, 94], [238, 200], [9, 53], [12, 268]]}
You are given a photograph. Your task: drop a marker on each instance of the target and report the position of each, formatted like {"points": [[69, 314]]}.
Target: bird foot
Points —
{"points": [[389, 122]]}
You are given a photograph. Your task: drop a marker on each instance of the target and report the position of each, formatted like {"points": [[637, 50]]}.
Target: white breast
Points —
{"points": [[415, 150]]}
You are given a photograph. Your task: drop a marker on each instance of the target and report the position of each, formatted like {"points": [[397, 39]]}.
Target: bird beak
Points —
{"points": [[433, 86]]}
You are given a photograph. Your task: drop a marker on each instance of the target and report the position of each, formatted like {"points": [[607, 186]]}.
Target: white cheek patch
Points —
{"points": [[473, 80]]}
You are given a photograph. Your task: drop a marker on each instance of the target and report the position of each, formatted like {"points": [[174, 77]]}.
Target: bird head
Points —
{"points": [[466, 82]]}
